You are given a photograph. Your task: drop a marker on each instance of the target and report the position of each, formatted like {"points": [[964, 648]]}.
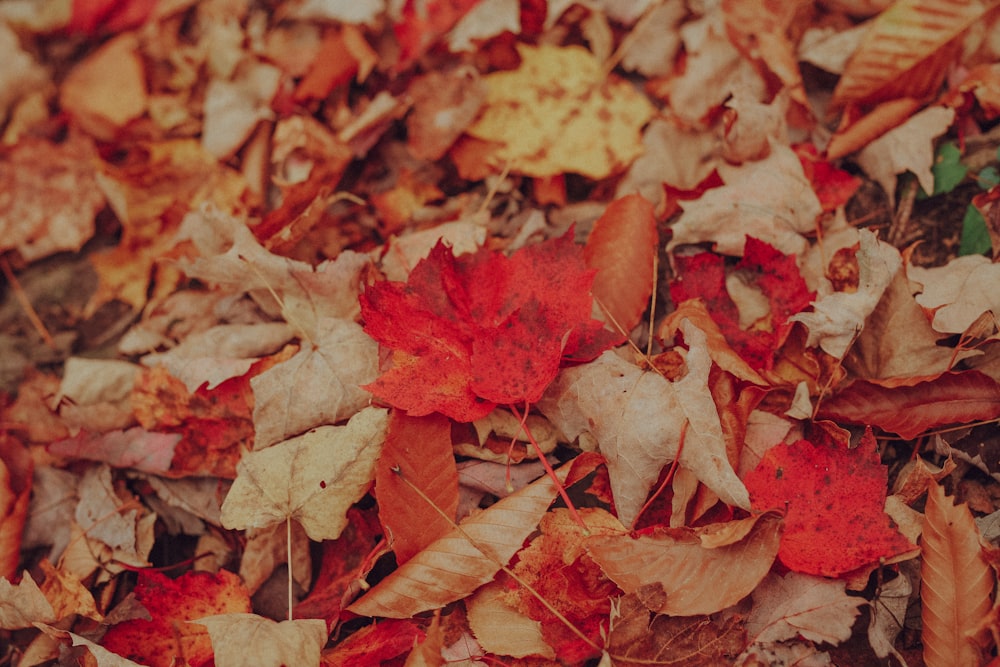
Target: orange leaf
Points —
{"points": [[452, 567], [956, 583], [420, 449], [16, 468], [907, 50], [622, 247], [334, 65]]}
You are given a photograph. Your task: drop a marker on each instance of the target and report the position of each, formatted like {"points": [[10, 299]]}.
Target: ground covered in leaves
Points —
{"points": [[478, 332]]}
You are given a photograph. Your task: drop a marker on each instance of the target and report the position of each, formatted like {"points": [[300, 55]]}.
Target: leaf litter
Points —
{"points": [[356, 276]]}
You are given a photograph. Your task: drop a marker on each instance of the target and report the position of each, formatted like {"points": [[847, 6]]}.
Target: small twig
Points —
{"points": [[22, 298]]}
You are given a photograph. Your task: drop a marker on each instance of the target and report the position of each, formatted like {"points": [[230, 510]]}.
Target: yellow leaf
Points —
{"points": [[557, 113], [239, 637], [313, 478], [956, 583]]}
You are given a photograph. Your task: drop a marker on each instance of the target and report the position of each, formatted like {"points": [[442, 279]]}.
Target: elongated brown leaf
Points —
{"points": [[904, 52], [452, 567], [952, 398], [622, 247], [956, 583], [675, 573]]}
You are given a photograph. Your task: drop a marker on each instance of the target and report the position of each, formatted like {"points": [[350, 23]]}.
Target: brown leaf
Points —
{"points": [[453, 567], [798, 604], [956, 583], [669, 570], [622, 247], [16, 468], [23, 604]]}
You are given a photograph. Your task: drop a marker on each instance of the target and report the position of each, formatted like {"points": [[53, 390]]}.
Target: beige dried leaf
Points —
{"points": [[23, 604], [237, 637], [800, 604], [313, 478], [452, 567], [102, 656], [955, 583], [668, 570], [503, 630]]}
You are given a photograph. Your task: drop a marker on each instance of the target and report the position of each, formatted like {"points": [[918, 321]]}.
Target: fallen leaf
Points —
{"points": [[454, 566], [313, 478], [952, 291], [502, 629], [833, 499], [423, 23], [102, 656], [839, 317], [769, 199], [233, 108], [557, 113], [637, 418], [236, 636], [417, 450], [50, 196], [667, 568], [955, 583], [622, 248], [473, 331], [798, 604], [23, 604], [135, 448], [166, 636], [16, 474], [376, 644], [444, 104]]}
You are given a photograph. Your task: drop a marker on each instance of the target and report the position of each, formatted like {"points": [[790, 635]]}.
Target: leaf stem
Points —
{"points": [[288, 555], [548, 468]]}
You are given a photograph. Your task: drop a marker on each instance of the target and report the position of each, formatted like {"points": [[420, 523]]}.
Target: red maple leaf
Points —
{"points": [[777, 275], [481, 329], [833, 498]]}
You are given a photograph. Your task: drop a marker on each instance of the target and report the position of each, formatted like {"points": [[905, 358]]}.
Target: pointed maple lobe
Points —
{"points": [[834, 501], [481, 329]]}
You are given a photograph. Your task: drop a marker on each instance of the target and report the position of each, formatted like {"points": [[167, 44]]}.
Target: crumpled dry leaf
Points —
{"points": [[955, 583], [909, 147], [233, 108], [637, 418], [770, 200], [235, 637], [954, 293], [102, 656], [313, 478], [654, 41], [20, 74], [798, 604], [668, 569], [555, 114], [453, 567], [839, 317], [23, 604], [501, 629]]}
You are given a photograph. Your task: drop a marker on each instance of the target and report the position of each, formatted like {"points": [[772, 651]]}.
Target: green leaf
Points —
{"points": [[948, 170], [975, 237], [988, 177]]}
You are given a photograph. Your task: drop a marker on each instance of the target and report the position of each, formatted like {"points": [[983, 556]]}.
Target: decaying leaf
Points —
{"points": [[556, 113], [454, 566], [668, 569], [502, 629], [955, 583], [637, 418], [797, 604], [313, 478], [23, 604], [237, 636]]}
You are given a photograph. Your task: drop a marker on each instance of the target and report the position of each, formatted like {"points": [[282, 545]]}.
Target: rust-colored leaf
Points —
{"points": [[956, 583]]}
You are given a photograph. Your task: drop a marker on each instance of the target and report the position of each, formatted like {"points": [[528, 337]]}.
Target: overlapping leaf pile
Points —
{"points": [[314, 310]]}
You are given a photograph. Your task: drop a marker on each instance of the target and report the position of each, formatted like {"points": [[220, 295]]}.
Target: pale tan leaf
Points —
{"points": [[452, 567], [102, 656], [637, 418], [900, 39], [953, 291], [888, 613], [501, 629], [23, 604], [313, 478], [428, 653], [955, 583], [669, 569], [799, 604], [769, 199], [837, 318], [239, 637], [909, 147], [622, 247]]}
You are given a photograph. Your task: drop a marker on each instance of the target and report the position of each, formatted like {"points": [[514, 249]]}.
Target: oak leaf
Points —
{"points": [[833, 499], [313, 478], [637, 418], [955, 583], [470, 332], [238, 636], [557, 113], [455, 565]]}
